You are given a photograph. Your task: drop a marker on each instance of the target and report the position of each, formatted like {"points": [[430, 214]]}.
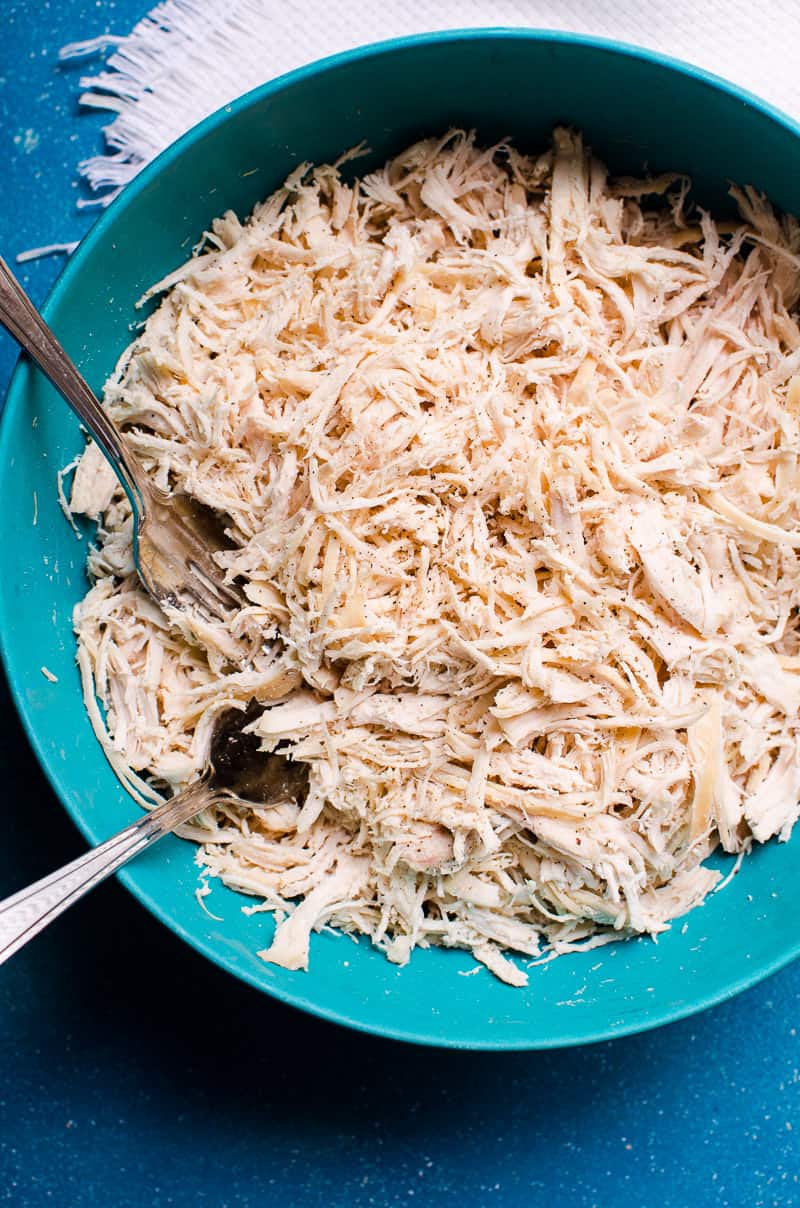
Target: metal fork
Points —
{"points": [[237, 770], [174, 536]]}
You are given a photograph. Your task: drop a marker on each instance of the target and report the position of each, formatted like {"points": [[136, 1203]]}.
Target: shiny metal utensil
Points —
{"points": [[238, 770], [174, 536]]}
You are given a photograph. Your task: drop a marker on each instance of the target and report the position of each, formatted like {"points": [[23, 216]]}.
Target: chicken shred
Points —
{"points": [[511, 464]]}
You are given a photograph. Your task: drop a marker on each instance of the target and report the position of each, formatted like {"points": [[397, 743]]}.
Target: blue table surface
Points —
{"points": [[132, 1072]]}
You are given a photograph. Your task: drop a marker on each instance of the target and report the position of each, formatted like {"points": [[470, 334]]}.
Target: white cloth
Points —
{"points": [[189, 57]]}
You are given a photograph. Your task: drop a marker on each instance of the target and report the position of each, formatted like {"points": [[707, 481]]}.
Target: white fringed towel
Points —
{"points": [[187, 58]]}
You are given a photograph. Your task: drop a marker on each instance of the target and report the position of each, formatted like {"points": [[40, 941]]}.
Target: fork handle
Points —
{"points": [[22, 320], [25, 914]]}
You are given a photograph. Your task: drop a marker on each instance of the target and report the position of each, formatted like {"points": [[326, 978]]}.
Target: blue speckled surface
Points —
{"points": [[104, 1101]]}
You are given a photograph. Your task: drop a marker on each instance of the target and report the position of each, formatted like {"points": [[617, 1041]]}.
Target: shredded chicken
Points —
{"points": [[509, 452]]}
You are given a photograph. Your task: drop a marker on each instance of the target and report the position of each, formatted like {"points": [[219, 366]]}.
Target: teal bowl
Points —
{"points": [[636, 109]]}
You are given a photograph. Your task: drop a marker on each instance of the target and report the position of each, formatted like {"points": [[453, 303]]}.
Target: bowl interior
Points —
{"points": [[635, 110]]}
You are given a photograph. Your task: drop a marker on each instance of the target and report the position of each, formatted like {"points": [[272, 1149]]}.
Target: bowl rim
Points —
{"points": [[566, 1037]]}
